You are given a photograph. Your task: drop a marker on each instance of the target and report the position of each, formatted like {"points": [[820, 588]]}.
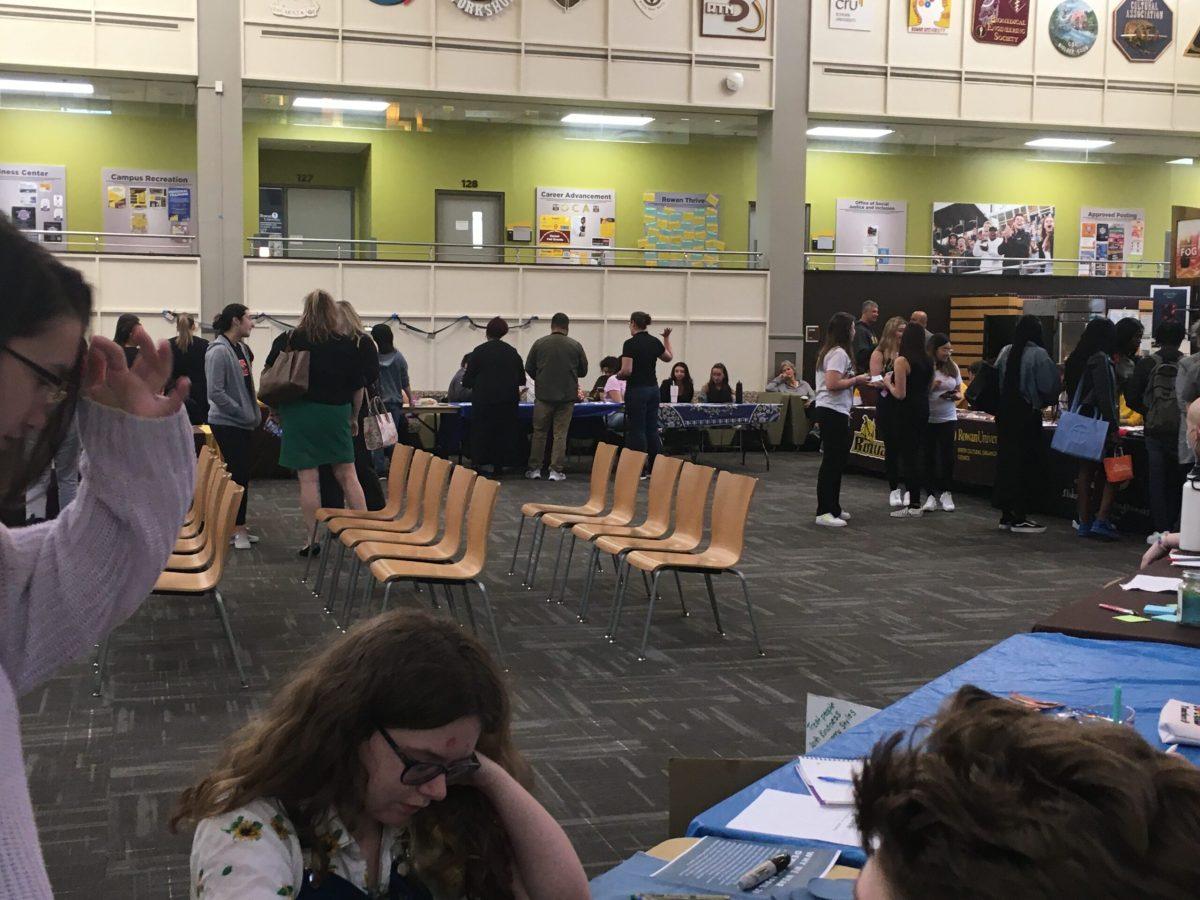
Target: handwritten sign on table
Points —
{"points": [[827, 717]]}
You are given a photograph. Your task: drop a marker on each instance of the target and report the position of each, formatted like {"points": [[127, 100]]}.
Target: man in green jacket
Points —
{"points": [[555, 363]]}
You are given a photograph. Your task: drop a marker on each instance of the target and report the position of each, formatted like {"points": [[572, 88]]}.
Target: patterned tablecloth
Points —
{"points": [[717, 415]]}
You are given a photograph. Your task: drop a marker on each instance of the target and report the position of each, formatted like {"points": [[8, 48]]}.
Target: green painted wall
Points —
{"points": [[85, 144], [999, 177], [328, 170]]}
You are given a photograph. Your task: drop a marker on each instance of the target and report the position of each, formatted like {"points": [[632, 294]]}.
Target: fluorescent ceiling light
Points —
{"points": [[85, 112], [1182, 161], [27, 86], [848, 132], [1050, 143], [346, 105], [601, 119]]}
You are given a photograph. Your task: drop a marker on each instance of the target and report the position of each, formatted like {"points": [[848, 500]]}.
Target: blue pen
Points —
{"points": [[832, 780]]}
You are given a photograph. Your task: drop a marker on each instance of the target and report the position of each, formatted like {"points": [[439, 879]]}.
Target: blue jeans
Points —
{"points": [[641, 421], [1165, 476]]}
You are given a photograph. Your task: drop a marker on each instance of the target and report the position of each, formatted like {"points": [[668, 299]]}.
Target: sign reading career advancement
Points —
{"points": [[1004, 22], [1142, 29]]}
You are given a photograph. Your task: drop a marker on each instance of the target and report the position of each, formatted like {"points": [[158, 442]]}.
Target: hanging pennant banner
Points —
{"points": [[928, 16], [1004, 22], [1142, 29]]}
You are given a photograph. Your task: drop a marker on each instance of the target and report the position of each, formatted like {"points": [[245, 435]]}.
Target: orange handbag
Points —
{"points": [[1118, 468]]}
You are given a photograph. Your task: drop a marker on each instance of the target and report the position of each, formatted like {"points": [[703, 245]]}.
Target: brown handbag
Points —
{"points": [[287, 378]]}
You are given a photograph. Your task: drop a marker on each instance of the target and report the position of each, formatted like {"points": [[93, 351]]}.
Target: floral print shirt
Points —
{"points": [[253, 853]]}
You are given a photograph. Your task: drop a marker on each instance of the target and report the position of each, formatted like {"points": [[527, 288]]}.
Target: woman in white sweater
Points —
{"points": [[60, 591]]}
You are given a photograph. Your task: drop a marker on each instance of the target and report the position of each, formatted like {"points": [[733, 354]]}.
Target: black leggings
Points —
{"points": [[235, 449], [939, 456], [835, 453], [886, 428], [912, 435]]}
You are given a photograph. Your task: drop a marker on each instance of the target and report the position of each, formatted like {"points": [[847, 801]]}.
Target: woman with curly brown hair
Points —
{"points": [[385, 768]]}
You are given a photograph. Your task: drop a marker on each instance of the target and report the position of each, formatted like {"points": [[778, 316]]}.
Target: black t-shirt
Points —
{"points": [[244, 363], [335, 368], [644, 349]]}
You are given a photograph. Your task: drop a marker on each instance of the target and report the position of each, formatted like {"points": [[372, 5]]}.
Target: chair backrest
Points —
{"points": [[204, 466], [435, 490], [417, 472], [479, 524], [212, 502], [602, 463], [461, 482], [663, 478], [690, 500], [402, 455], [207, 475], [625, 482], [226, 520], [730, 509]]}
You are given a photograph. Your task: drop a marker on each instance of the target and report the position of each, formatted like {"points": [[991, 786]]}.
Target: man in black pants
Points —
{"points": [[638, 358]]}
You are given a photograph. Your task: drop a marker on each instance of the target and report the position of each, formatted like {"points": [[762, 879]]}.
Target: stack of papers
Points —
{"points": [[1155, 584], [800, 816], [829, 780]]}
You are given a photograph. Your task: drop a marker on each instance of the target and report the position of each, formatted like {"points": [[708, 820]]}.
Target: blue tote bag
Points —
{"points": [[1078, 435]]}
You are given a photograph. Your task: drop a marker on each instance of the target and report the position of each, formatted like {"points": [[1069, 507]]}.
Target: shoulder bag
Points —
{"points": [[287, 378], [379, 427], [1078, 435]]}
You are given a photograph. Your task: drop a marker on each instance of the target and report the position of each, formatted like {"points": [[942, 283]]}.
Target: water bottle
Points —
{"points": [[737, 393], [674, 393]]}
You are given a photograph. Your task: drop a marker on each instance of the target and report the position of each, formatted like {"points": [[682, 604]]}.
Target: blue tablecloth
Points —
{"points": [[716, 415], [1048, 666], [582, 410]]}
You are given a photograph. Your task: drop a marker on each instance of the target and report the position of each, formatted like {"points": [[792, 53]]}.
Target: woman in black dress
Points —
{"points": [[495, 374], [908, 383]]}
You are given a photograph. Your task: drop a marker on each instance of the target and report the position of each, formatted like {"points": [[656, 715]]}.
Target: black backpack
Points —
{"points": [[983, 393], [1162, 405]]}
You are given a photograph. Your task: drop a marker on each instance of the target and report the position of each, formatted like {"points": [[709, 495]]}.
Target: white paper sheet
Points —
{"points": [[1155, 584], [829, 793], [791, 815]]}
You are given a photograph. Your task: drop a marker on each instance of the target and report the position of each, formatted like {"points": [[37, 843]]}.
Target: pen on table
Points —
{"points": [[832, 780], [768, 868], [1117, 609], [1118, 706]]}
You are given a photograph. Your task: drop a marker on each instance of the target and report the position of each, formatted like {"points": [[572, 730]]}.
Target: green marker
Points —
{"points": [[1118, 707]]}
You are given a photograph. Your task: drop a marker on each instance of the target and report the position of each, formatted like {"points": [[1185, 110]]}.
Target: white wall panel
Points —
{"points": [[1186, 112], [550, 289], [1187, 20], [415, 18], [545, 22], [47, 43], [478, 71], [169, 47], [708, 85], [375, 63], [925, 51], [1119, 68], [477, 290], [649, 81], [993, 102], [142, 285], [1048, 61], [839, 90], [740, 347], [564, 76], [726, 295], [663, 294], [670, 30], [283, 287], [1138, 109], [291, 54], [840, 45], [924, 97], [184, 9], [386, 289]]}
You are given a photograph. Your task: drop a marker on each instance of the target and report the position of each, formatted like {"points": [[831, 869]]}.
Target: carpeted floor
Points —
{"points": [[867, 613]]}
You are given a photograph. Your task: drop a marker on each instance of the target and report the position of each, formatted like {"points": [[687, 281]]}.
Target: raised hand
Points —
{"points": [[109, 381]]}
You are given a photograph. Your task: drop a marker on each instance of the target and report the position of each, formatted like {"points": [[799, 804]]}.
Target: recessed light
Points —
{"points": [[1182, 161], [346, 105], [601, 119], [1051, 143], [849, 132], [27, 86]]}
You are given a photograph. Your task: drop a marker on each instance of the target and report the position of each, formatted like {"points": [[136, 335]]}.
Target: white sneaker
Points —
{"points": [[533, 473], [947, 501], [931, 504], [241, 541], [556, 475], [906, 512], [844, 516], [896, 499], [829, 520], [905, 501]]}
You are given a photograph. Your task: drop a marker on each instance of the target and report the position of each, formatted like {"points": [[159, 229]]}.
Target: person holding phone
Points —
{"points": [[945, 390]]}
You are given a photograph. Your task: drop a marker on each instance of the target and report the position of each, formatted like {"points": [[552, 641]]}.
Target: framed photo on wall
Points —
{"points": [[738, 19]]}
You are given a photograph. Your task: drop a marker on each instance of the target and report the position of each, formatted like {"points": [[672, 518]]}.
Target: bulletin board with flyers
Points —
{"points": [[576, 226], [681, 230], [1111, 237], [34, 198], [158, 205]]}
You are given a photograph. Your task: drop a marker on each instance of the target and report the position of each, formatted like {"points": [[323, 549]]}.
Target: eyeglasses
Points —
{"points": [[57, 387], [417, 772]]}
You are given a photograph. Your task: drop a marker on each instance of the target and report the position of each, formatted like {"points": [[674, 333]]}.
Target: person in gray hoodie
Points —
{"points": [[233, 411]]}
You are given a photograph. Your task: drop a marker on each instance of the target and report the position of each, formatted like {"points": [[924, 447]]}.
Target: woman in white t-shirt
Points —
{"points": [[945, 390], [835, 397]]}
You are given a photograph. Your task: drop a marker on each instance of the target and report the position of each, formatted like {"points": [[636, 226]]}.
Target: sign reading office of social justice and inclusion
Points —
{"points": [[744, 19], [681, 230], [851, 15], [1004, 22], [156, 204], [1142, 29], [576, 226], [34, 197], [876, 228], [928, 16], [1111, 237]]}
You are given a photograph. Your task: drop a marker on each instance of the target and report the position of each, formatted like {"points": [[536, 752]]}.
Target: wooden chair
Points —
{"points": [[694, 482], [192, 538], [203, 558], [660, 493], [383, 545], [730, 510], [402, 456], [191, 522], [602, 464], [462, 573]]}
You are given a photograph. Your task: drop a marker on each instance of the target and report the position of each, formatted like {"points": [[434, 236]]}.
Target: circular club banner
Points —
{"points": [[1073, 27]]}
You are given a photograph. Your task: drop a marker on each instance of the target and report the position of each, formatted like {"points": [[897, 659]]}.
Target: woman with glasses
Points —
{"points": [[60, 591], [385, 768]]}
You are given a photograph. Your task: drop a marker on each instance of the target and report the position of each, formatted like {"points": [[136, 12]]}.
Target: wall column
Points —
{"points": [[782, 144], [219, 153]]}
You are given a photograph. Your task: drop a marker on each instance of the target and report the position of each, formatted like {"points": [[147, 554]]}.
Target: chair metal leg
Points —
{"points": [[712, 598], [450, 602], [536, 560], [562, 595], [470, 609], [618, 601], [646, 584], [352, 600], [749, 611], [312, 539], [533, 546], [433, 595], [355, 568], [387, 597], [512, 566], [324, 563], [99, 667], [649, 615], [333, 578], [562, 539], [487, 610], [220, 603], [593, 558], [679, 587]]}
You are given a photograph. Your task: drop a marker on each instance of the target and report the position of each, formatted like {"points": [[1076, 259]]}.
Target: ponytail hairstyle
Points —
{"points": [[224, 320], [838, 333], [185, 324]]}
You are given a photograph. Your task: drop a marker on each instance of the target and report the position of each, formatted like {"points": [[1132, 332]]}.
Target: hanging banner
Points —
{"points": [[1004, 22], [928, 16], [877, 228], [993, 238], [33, 197], [159, 205], [743, 19], [851, 15], [681, 230], [1185, 243], [576, 226], [1112, 237], [1142, 29], [1073, 28]]}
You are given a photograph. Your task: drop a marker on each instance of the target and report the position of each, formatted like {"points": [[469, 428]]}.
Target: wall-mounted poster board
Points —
{"points": [[159, 205], [876, 228], [1185, 243], [576, 226], [1112, 237], [34, 197], [991, 238], [682, 229]]}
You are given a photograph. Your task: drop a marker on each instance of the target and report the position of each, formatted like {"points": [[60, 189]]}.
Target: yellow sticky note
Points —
{"points": [[648, 197], [1130, 619], [712, 200]]}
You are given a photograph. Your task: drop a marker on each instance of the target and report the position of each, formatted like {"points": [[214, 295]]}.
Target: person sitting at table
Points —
{"points": [[787, 382], [384, 768], [495, 374], [681, 378], [609, 366], [717, 389], [998, 802], [1169, 540], [614, 392], [457, 393]]}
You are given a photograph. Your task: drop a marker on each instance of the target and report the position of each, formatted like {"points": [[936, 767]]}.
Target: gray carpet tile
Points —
{"points": [[868, 613]]}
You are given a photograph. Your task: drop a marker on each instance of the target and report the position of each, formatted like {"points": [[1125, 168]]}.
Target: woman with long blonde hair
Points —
{"points": [[187, 361], [883, 360], [318, 428], [384, 768], [368, 357]]}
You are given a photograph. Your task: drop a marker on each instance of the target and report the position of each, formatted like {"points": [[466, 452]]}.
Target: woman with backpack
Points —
{"points": [[1091, 378], [1150, 391]]}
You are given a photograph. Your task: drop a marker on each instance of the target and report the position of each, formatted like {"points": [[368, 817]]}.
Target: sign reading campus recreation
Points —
{"points": [[877, 228], [744, 19], [34, 198], [928, 16], [1142, 29], [1111, 237], [1004, 22], [575, 226], [156, 204], [851, 15], [681, 229]]}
